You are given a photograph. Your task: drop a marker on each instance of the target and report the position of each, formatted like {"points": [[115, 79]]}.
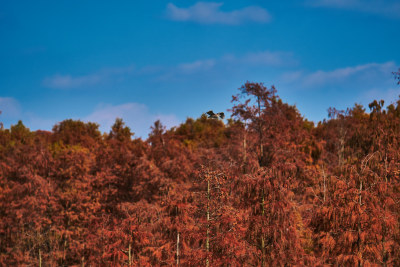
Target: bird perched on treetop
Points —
{"points": [[212, 115]]}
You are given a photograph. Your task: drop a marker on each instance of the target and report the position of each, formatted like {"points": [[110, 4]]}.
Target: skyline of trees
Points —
{"points": [[268, 188]]}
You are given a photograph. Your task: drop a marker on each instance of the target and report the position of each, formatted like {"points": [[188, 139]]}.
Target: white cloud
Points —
{"points": [[135, 115], [389, 8], [361, 73], [67, 81], [210, 13]]}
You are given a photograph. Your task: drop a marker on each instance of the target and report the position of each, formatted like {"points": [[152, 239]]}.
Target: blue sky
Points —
{"points": [[169, 60]]}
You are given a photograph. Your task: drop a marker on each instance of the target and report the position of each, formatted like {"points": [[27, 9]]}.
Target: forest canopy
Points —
{"points": [[267, 188]]}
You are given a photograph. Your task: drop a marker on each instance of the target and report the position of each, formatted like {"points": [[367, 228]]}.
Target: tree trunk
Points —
{"points": [[130, 254], [40, 258], [177, 250], [359, 228], [260, 131], [262, 234], [262, 251], [208, 222], [324, 175], [244, 151], [342, 134], [384, 258], [64, 251]]}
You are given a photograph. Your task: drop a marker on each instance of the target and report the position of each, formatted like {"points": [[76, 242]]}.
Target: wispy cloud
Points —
{"points": [[264, 58], [389, 95], [180, 71], [198, 65], [12, 112], [136, 115], [67, 81], [211, 13], [361, 73], [224, 65], [270, 58], [191, 70], [36, 122], [10, 108], [389, 8]]}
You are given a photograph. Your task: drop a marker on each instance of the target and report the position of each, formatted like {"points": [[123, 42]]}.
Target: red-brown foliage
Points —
{"points": [[266, 189]]}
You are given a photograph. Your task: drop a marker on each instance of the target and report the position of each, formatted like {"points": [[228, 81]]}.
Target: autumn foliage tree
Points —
{"points": [[267, 187]]}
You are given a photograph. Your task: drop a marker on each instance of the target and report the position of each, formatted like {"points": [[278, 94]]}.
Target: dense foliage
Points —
{"points": [[269, 188]]}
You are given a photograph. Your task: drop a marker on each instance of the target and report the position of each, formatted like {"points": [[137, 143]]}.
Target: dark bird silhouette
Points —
{"points": [[212, 115]]}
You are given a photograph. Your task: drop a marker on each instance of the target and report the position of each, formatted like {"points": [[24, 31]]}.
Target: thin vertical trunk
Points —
{"points": [[386, 170], [83, 256], [262, 203], [64, 251], [260, 130], [361, 185], [244, 151], [262, 251], [342, 134], [324, 175], [130, 254], [384, 258], [40, 258], [208, 222], [359, 225], [162, 140], [177, 250], [262, 234]]}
